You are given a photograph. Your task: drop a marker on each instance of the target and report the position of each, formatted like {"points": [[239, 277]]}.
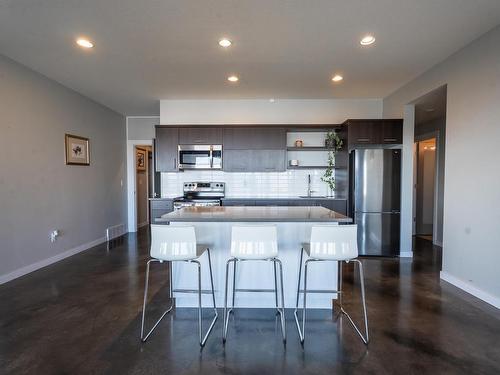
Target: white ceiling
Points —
{"points": [[146, 50]]}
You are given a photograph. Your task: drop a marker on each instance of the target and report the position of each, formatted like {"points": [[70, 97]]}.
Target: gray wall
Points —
{"points": [[439, 126], [141, 128], [38, 192], [471, 236]]}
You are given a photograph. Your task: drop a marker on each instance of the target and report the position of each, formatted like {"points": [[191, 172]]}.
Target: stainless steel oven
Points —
{"points": [[200, 194], [200, 156]]}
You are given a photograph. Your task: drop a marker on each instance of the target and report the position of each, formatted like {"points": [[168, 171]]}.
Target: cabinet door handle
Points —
{"points": [[390, 139], [364, 139], [175, 163]]}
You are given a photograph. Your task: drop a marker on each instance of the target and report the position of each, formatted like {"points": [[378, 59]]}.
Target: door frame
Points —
{"points": [[131, 182], [419, 138]]}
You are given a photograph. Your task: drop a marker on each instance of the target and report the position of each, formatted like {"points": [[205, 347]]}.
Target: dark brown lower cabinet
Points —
{"points": [[337, 205], [159, 207]]}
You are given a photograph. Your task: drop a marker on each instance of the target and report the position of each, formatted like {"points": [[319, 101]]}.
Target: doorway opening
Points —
{"points": [[143, 173], [425, 157], [428, 166]]}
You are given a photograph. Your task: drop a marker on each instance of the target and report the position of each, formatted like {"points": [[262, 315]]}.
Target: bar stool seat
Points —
{"points": [[254, 243], [178, 244], [331, 243]]}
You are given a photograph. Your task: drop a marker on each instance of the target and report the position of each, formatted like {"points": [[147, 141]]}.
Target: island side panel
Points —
{"points": [[254, 275]]}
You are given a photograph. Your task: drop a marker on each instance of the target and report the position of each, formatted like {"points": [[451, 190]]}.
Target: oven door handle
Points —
{"points": [[211, 157]]}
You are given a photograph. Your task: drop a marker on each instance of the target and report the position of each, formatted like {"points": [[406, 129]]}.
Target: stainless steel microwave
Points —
{"points": [[200, 156]]}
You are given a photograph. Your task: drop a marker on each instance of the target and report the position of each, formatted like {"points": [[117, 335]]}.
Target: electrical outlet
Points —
{"points": [[53, 235]]}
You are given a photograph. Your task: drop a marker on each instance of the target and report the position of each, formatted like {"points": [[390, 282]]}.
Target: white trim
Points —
{"points": [[406, 254], [131, 202], [471, 289], [45, 262]]}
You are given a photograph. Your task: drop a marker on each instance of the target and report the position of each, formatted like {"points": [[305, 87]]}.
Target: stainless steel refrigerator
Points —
{"points": [[375, 199]]}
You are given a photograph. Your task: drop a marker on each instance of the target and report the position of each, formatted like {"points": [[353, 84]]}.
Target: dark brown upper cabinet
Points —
{"points": [[373, 132], [254, 160], [200, 136], [167, 140], [392, 131], [248, 138]]}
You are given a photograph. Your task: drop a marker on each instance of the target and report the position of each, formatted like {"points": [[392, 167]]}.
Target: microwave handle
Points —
{"points": [[211, 157]]}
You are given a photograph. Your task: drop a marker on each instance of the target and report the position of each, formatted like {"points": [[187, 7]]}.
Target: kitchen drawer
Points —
{"points": [[303, 202], [161, 204], [271, 202], [238, 202]]}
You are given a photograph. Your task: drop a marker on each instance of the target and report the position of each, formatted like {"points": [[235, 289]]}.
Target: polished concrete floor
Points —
{"points": [[82, 315]]}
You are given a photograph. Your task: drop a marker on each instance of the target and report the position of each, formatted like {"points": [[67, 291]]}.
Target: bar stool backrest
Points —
{"points": [[172, 243], [254, 241], [334, 242]]}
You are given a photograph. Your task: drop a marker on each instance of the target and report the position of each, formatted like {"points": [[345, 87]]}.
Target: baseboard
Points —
{"points": [[46, 262], [406, 254], [471, 289]]}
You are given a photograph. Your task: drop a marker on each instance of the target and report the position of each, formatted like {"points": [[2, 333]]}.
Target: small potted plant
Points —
{"points": [[334, 143]]}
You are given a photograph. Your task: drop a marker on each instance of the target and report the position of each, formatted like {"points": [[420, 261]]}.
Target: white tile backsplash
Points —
{"points": [[268, 184]]}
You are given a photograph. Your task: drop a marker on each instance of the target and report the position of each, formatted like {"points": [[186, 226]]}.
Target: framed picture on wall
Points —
{"points": [[140, 159], [77, 150]]}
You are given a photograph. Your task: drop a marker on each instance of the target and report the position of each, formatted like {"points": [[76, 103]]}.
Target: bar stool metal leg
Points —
{"points": [[234, 286], [144, 338], [275, 288], [204, 339], [295, 312], [301, 330], [282, 311], [226, 312], [365, 338]]}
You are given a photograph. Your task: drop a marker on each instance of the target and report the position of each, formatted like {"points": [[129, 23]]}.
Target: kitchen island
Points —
{"points": [[213, 228]]}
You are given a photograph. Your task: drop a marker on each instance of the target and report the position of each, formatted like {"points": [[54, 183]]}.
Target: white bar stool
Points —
{"points": [[254, 243], [331, 243], [178, 244]]}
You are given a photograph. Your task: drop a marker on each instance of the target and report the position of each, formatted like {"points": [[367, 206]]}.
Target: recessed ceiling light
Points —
{"points": [[233, 79], [337, 78], [225, 42], [85, 43], [367, 40]]}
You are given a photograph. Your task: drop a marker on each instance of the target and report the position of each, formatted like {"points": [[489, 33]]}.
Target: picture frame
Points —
{"points": [[140, 159], [77, 150]]}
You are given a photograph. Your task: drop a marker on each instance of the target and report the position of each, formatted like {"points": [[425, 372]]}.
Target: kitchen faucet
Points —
{"points": [[309, 191]]}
